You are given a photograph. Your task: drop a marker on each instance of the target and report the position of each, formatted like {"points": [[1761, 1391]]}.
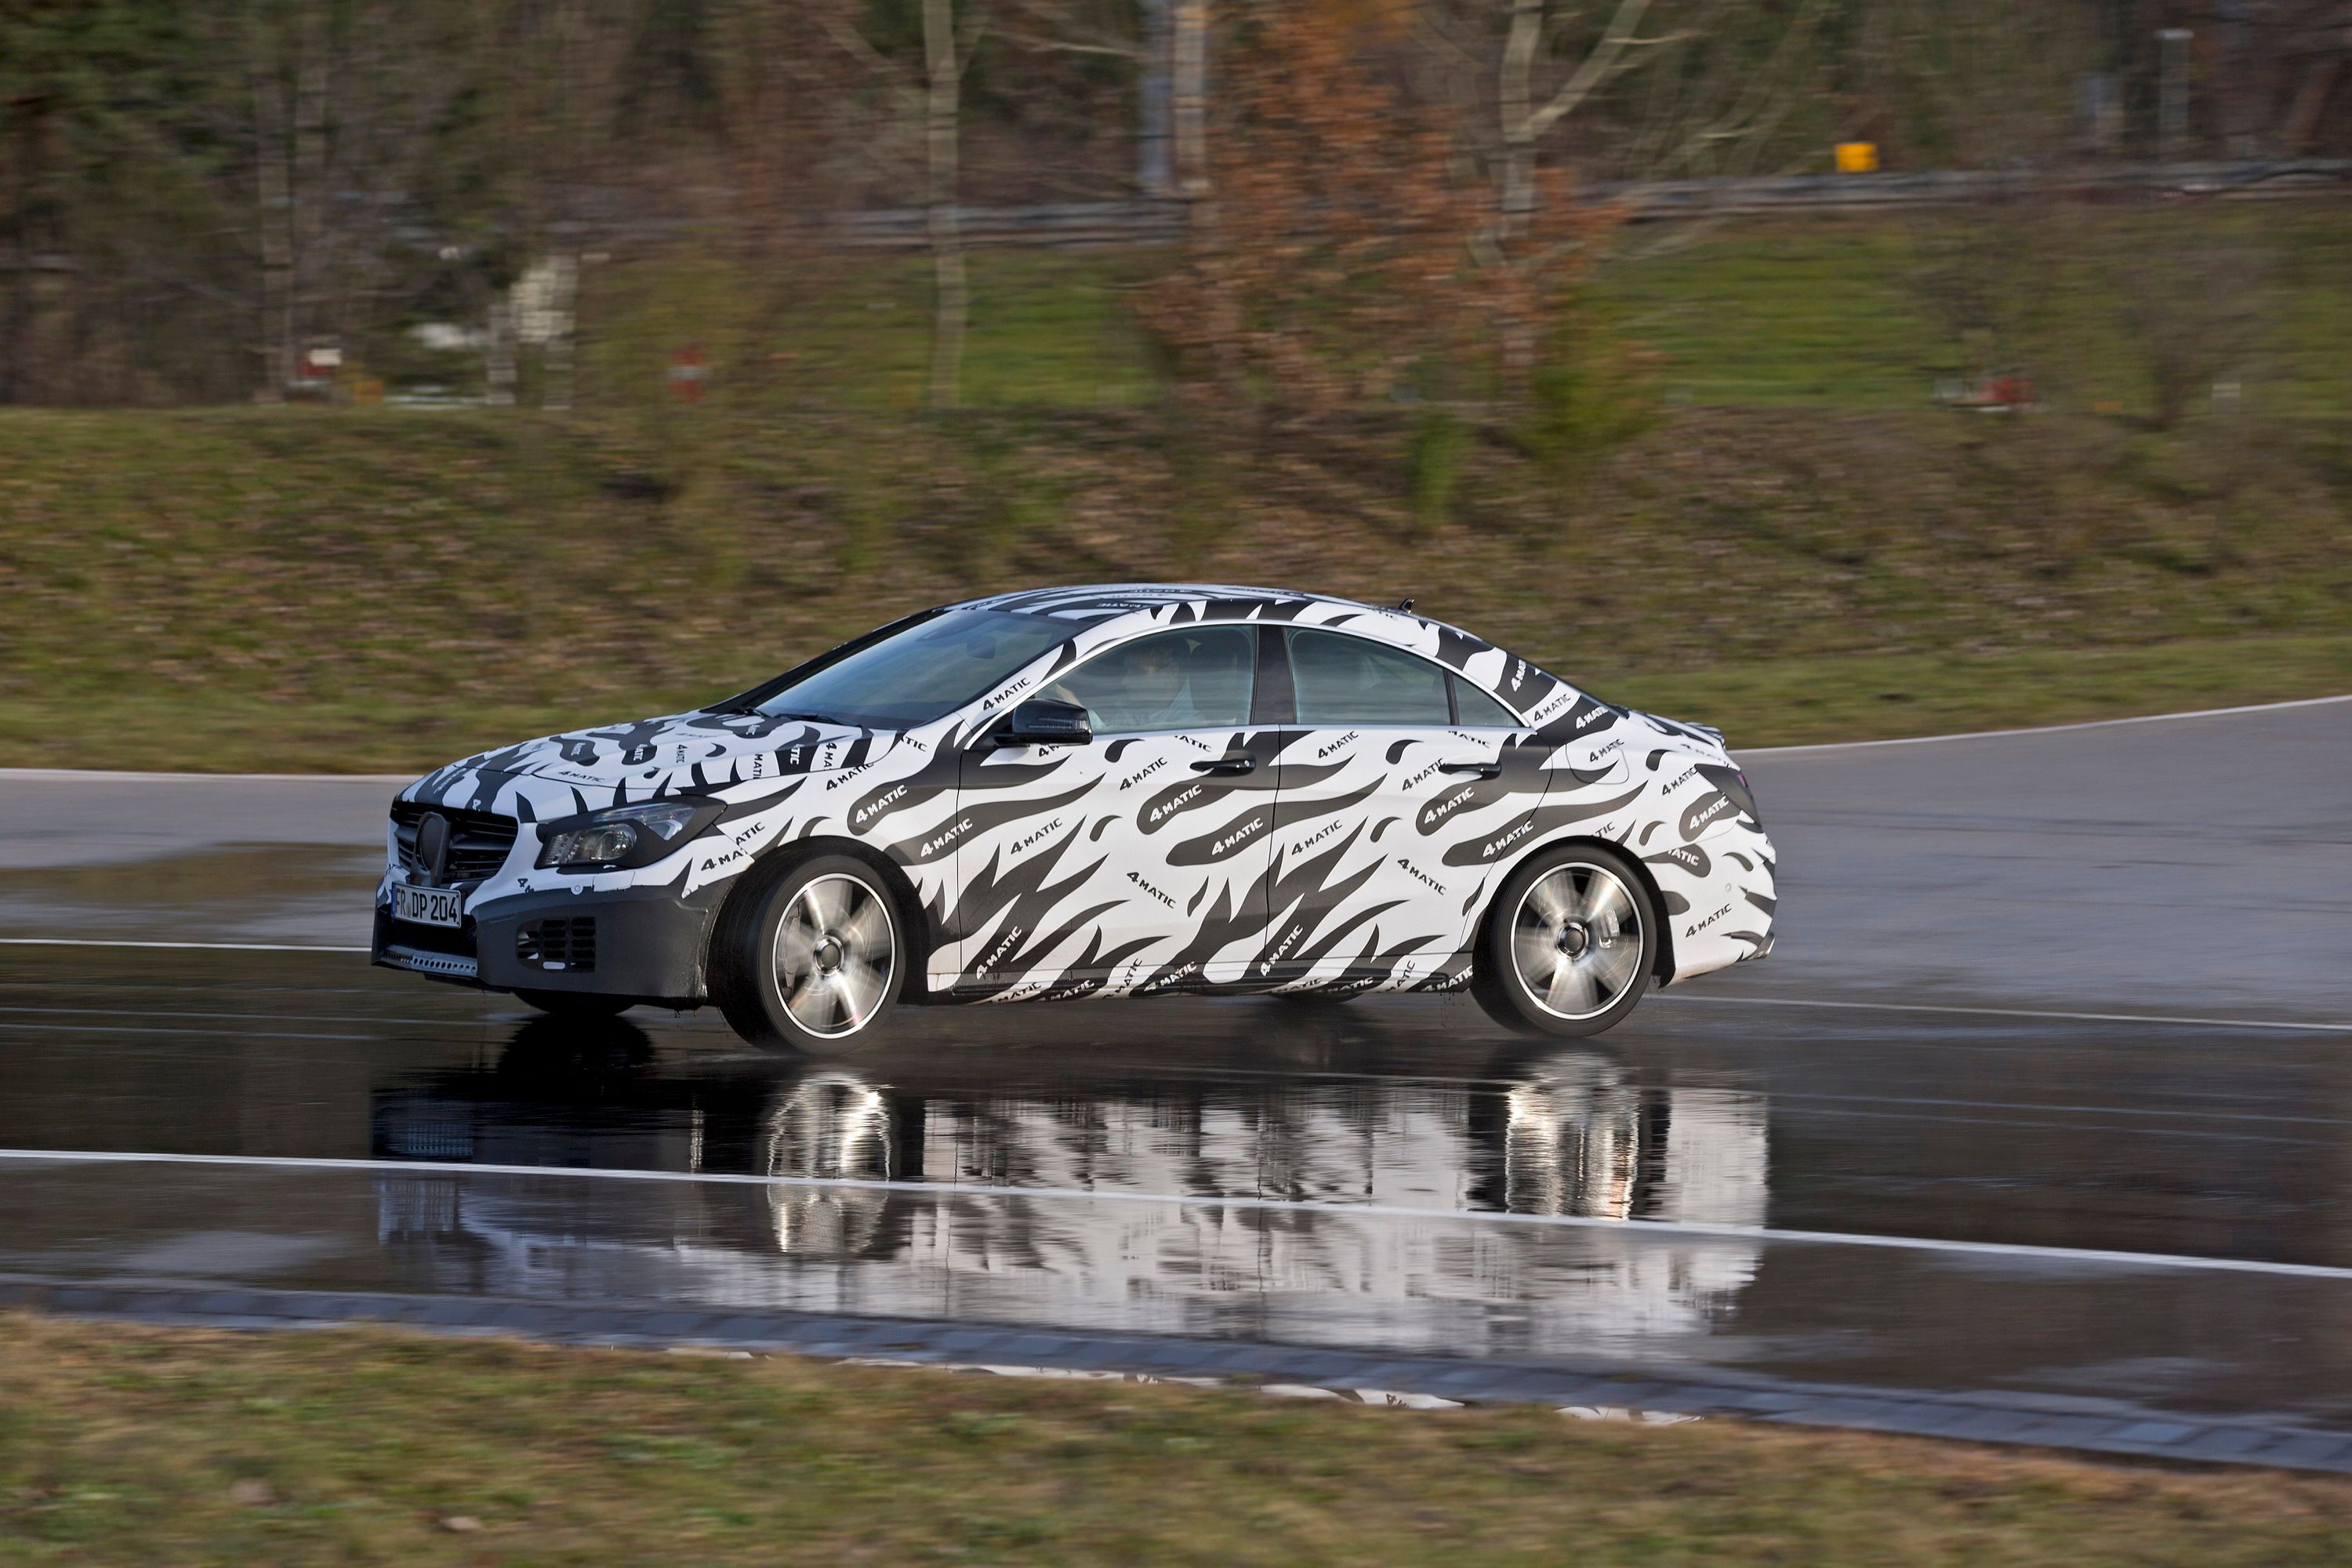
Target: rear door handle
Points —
{"points": [[1479, 770], [1225, 765]]}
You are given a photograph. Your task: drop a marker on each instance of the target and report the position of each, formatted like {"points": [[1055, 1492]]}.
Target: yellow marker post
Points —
{"points": [[1857, 157]]}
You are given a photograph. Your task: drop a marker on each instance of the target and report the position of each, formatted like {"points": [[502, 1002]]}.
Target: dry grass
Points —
{"points": [[328, 590], [126, 1446]]}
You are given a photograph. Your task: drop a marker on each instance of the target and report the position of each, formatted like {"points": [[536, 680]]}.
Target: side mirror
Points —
{"points": [[1042, 721]]}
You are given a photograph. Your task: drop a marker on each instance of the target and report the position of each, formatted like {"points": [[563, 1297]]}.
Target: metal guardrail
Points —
{"points": [[1143, 221], [1658, 200], [1159, 220]]}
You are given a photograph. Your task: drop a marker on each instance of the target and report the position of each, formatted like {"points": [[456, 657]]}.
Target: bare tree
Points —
{"points": [[946, 49], [1523, 121], [1188, 90]]}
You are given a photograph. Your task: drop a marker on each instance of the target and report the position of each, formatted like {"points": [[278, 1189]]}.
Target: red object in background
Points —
{"points": [[688, 373], [2010, 391]]}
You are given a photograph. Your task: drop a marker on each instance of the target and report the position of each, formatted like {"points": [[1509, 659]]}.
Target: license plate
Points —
{"points": [[427, 906]]}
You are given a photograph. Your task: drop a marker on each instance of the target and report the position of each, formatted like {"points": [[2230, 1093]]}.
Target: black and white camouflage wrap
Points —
{"points": [[1344, 859]]}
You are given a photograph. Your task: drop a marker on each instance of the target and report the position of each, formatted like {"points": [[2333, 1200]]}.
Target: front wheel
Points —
{"points": [[810, 957], [1568, 945]]}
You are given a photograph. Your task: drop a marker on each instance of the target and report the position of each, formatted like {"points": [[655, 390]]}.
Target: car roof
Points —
{"points": [[1103, 601]]}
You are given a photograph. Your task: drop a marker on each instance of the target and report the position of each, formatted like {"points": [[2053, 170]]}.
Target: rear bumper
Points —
{"points": [[647, 944]]}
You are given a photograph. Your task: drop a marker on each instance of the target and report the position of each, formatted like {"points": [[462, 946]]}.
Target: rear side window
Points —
{"points": [[1342, 679], [1477, 711]]}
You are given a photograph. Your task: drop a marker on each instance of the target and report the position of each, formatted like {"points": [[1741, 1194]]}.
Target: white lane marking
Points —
{"points": [[368, 1019], [1797, 1101], [2043, 729], [2007, 1012], [211, 1033], [111, 775], [1686, 1229], [207, 946]]}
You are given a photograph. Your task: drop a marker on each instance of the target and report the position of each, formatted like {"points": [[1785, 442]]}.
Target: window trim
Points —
{"points": [[1257, 676], [1452, 702]]}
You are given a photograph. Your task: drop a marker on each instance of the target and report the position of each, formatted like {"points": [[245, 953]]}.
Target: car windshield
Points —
{"points": [[922, 673]]}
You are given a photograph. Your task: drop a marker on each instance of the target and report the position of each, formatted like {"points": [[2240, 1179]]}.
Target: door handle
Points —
{"points": [[1225, 765], [1479, 770]]}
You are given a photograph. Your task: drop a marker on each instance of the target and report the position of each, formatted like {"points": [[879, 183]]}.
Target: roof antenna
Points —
{"points": [[1404, 604]]}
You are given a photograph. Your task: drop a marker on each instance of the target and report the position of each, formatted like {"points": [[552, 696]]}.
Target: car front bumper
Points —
{"points": [[642, 943]]}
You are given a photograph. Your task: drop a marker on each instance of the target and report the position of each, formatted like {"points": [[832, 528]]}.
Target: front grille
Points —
{"points": [[567, 943], [478, 840], [456, 942]]}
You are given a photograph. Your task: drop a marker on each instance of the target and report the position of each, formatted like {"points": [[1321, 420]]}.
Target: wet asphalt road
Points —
{"points": [[1863, 1193]]}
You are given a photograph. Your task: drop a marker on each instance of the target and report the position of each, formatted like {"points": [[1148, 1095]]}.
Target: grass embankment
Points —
{"points": [[1800, 552], [337, 590], [1830, 310], [138, 1446]]}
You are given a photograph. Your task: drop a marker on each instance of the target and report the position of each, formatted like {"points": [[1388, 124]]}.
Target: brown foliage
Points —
{"points": [[1347, 255]]}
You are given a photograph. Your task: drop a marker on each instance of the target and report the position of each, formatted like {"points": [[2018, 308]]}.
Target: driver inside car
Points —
{"points": [[1134, 690]]}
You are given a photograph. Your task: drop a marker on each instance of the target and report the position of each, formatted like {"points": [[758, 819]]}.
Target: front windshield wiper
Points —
{"points": [[753, 707]]}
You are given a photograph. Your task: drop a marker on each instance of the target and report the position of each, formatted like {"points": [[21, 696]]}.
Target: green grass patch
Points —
{"points": [[1798, 701], [337, 590], [1762, 703], [140, 1445], [1834, 311]]}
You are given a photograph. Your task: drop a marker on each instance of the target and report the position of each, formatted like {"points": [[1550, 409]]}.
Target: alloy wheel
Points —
{"points": [[834, 956], [1576, 940]]}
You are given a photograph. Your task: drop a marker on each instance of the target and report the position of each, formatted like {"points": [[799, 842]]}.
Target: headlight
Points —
{"points": [[622, 835]]}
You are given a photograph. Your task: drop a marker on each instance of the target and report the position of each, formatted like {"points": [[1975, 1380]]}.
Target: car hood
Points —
{"points": [[680, 754]]}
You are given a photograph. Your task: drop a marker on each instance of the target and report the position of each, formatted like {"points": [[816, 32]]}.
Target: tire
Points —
{"points": [[575, 1004], [809, 955], [1568, 945]]}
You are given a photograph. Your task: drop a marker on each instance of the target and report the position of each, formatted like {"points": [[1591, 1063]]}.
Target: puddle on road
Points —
{"points": [[238, 892]]}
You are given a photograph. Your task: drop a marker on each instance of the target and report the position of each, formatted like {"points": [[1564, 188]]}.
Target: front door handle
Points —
{"points": [[1225, 765], [1478, 770]]}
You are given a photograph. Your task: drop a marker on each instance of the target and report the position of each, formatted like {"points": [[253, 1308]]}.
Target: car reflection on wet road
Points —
{"points": [[1844, 1196], [1544, 1130]]}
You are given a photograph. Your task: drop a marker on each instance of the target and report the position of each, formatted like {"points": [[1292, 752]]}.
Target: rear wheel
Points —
{"points": [[809, 957], [1568, 945]]}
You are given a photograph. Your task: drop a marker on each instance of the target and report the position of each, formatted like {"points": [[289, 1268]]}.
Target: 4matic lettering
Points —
{"points": [[1143, 773], [997, 955], [1697, 926], [1031, 841], [934, 845], [1234, 839], [1169, 808], [875, 808], [1137, 877]]}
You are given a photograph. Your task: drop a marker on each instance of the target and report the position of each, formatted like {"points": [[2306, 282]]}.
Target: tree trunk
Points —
{"points": [[2310, 99], [1153, 173], [23, 263], [1517, 195], [951, 297], [307, 217], [275, 195], [1190, 89], [499, 352]]}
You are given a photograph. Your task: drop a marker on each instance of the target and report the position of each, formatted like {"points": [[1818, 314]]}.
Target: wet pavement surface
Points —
{"points": [[1904, 1157], [1386, 1175]]}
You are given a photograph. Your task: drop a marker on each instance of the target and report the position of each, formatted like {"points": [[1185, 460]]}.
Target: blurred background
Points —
{"points": [[378, 381]]}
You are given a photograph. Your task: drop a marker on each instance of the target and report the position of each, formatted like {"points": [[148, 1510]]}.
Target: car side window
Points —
{"points": [[1473, 709], [1342, 680], [1198, 679]]}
